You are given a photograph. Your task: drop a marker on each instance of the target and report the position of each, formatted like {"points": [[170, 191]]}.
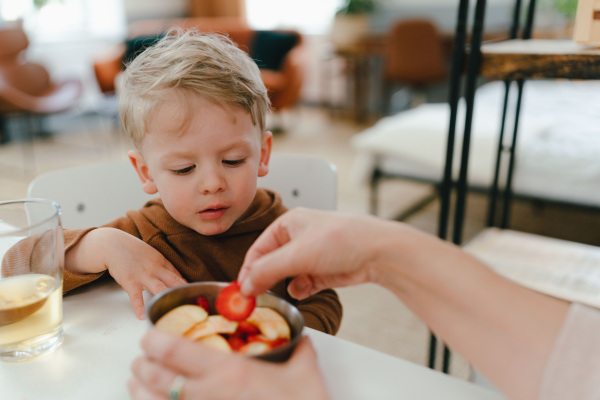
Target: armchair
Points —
{"points": [[413, 57], [26, 88], [279, 53]]}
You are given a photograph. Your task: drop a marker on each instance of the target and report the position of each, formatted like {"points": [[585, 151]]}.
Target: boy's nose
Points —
{"points": [[211, 182]]}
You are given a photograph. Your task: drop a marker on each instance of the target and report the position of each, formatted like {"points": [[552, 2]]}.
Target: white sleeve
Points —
{"points": [[573, 368]]}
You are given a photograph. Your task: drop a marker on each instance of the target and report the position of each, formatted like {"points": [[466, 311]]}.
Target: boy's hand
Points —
{"points": [[134, 264]]}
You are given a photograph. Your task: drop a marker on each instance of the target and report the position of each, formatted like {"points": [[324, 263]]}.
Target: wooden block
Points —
{"points": [[538, 58], [587, 23]]}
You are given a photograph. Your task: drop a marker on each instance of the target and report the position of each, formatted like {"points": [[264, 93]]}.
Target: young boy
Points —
{"points": [[194, 106]]}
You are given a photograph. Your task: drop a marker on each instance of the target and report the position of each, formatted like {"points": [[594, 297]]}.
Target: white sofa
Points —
{"points": [[557, 153]]}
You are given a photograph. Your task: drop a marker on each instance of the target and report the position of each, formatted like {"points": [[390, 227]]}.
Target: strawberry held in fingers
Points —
{"points": [[233, 305]]}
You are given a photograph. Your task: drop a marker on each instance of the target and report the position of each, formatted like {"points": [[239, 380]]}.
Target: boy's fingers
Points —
{"points": [[171, 277], [137, 302], [160, 279]]}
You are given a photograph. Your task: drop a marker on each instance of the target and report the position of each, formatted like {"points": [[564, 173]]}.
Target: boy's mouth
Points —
{"points": [[213, 212]]}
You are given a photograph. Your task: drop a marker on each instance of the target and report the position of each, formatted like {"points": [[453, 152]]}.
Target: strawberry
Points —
{"points": [[233, 305], [257, 337], [203, 302], [272, 343], [246, 328], [236, 342]]}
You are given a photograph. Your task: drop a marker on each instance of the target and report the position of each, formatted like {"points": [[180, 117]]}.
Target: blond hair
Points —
{"points": [[196, 64]]}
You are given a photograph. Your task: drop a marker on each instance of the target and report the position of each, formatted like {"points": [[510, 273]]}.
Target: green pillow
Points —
{"points": [[269, 48], [136, 45]]}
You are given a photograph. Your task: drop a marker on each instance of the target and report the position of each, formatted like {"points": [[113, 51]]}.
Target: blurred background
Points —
{"points": [[67, 36]]}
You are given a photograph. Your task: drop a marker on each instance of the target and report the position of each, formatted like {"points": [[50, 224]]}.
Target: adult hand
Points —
{"points": [[211, 374], [134, 264], [441, 283], [321, 249]]}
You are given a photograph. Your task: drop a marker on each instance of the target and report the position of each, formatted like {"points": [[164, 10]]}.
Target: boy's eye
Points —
{"points": [[183, 171], [234, 162]]}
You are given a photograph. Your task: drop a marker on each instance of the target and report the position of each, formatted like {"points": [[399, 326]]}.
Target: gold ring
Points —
{"points": [[176, 386]]}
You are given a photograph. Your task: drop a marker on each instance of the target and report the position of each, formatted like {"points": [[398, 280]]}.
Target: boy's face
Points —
{"points": [[206, 170]]}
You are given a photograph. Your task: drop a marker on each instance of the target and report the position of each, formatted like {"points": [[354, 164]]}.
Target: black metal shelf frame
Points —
{"points": [[462, 53]]}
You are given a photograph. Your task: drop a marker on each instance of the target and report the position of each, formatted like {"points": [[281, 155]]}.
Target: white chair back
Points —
{"points": [[302, 181], [94, 194]]}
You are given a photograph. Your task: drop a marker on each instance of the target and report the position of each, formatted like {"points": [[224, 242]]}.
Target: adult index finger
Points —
{"points": [[266, 271], [270, 240]]}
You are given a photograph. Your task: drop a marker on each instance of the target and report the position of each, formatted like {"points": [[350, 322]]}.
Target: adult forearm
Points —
{"points": [[505, 330]]}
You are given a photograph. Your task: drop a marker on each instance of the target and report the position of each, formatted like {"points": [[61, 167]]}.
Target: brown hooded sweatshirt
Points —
{"points": [[211, 258]]}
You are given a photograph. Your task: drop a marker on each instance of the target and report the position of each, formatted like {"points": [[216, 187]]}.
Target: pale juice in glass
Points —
{"points": [[30, 310], [31, 272]]}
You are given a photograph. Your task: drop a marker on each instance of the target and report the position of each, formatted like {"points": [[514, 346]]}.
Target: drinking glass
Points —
{"points": [[32, 259]]}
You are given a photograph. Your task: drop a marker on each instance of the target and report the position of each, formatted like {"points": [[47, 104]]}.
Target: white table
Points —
{"points": [[102, 338]]}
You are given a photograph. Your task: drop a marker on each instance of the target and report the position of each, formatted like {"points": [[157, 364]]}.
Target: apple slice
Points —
{"points": [[270, 323], [212, 325], [255, 348], [181, 319], [217, 342]]}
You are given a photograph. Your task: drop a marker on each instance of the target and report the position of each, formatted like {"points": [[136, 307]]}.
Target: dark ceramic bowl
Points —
{"points": [[187, 294]]}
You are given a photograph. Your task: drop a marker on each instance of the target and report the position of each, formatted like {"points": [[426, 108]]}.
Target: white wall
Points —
{"points": [[141, 9], [442, 12]]}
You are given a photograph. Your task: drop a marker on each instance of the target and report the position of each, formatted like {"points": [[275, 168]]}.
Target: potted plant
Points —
{"points": [[351, 22], [357, 7], [568, 8], [558, 16]]}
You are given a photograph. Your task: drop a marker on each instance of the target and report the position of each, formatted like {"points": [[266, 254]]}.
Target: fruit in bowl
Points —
{"points": [[216, 314]]}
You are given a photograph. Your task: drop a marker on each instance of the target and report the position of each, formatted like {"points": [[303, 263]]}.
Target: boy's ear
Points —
{"points": [[265, 153], [141, 168]]}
